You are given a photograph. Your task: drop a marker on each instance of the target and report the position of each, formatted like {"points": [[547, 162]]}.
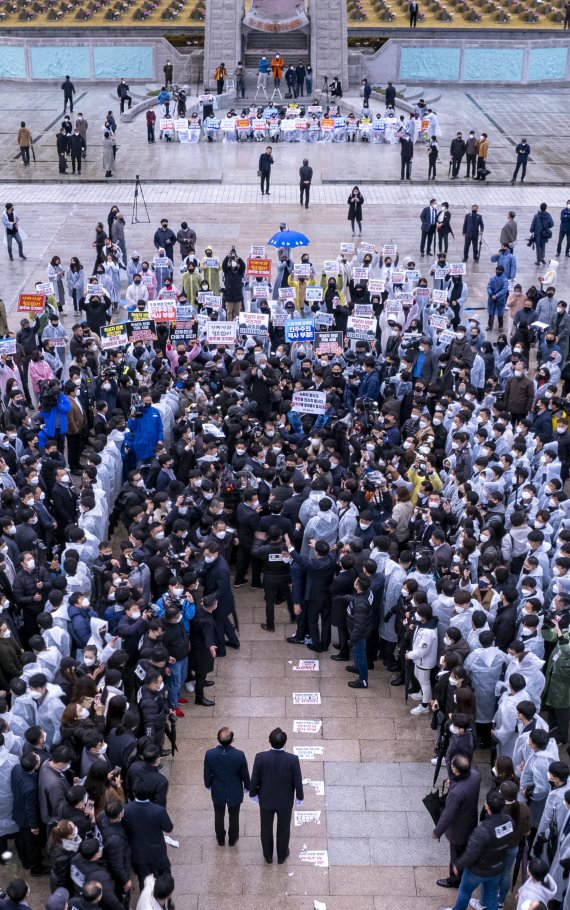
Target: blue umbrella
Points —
{"points": [[288, 239]]}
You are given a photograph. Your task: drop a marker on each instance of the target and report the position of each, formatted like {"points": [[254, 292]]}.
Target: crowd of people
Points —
{"points": [[353, 440]]}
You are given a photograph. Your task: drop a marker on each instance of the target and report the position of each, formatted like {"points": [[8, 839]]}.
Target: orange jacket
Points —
{"points": [[277, 65]]}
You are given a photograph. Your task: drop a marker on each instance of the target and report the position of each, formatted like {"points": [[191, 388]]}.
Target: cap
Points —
{"points": [[139, 555], [58, 900]]}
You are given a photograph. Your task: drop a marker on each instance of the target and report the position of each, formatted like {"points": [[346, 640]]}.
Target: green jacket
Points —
{"points": [[557, 691]]}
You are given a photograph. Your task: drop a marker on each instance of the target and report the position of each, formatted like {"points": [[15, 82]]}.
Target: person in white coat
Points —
{"points": [[424, 655], [322, 526], [549, 832], [535, 785], [528, 720], [530, 666], [505, 729], [157, 892], [485, 665], [8, 826], [539, 886], [49, 707]]}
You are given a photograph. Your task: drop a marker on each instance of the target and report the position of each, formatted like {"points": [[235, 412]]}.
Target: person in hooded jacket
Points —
{"points": [[424, 655], [359, 626]]}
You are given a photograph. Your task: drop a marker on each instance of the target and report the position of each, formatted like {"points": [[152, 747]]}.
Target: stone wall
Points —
{"points": [[329, 45], [222, 38], [468, 62]]}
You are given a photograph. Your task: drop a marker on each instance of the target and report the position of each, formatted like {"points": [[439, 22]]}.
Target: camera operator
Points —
{"points": [[556, 632]]}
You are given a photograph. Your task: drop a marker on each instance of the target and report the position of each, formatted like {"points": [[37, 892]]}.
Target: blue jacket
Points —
{"points": [[61, 410], [369, 385], [26, 805], [508, 261], [226, 775], [565, 219], [80, 622], [188, 610], [499, 286], [145, 432]]}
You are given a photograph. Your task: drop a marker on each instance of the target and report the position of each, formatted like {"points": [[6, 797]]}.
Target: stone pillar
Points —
{"points": [[329, 41], [222, 37]]}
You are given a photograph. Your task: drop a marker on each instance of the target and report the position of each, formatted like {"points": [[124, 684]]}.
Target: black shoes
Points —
{"points": [[397, 681], [205, 702], [209, 682], [339, 656], [357, 684], [281, 861], [267, 628], [351, 669], [447, 883], [293, 640]]}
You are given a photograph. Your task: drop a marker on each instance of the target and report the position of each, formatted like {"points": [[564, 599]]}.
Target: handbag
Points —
{"points": [[434, 802], [259, 173]]}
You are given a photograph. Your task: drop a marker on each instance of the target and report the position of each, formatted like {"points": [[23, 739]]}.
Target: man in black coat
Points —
{"points": [[30, 589], [456, 153], [68, 89], [276, 576], [275, 780], [64, 500], [116, 849], [203, 647], [147, 771], [406, 156], [87, 866], [217, 582], [233, 268], [264, 168], [428, 220], [505, 625], [305, 177], [459, 817], [359, 625], [320, 569], [152, 706], [226, 776], [76, 151], [473, 228], [146, 824], [26, 813], [248, 518]]}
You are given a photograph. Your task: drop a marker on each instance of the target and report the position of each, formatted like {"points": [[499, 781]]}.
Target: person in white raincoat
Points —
{"points": [[322, 526], [49, 707], [530, 666], [486, 665], [505, 721], [7, 824]]}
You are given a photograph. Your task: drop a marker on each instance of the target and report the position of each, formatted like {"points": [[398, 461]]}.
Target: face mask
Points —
{"points": [[453, 682], [526, 632], [447, 641], [159, 535], [89, 661], [6, 634], [209, 559], [526, 496], [36, 696], [417, 617], [83, 714], [103, 749], [363, 526], [453, 728], [136, 614], [560, 430], [31, 564], [65, 478]]}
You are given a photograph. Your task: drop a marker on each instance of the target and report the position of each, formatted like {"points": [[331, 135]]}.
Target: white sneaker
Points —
{"points": [[189, 686], [477, 905], [434, 761], [415, 696], [421, 709]]}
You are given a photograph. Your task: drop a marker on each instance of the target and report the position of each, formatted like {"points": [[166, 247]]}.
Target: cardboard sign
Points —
{"points": [[404, 299], [299, 330], [440, 274], [301, 123], [314, 293], [412, 275], [307, 665], [397, 276], [286, 293], [360, 274], [305, 817], [389, 249], [261, 291], [325, 319], [141, 329], [7, 346], [306, 698], [166, 124], [327, 124], [308, 753], [439, 296], [309, 403], [259, 268], [213, 302], [376, 285], [212, 123], [184, 312], [330, 265], [348, 248], [319, 858], [457, 269], [45, 287], [161, 262], [228, 124], [242, 123], [221, 333], [259, 125], [438, 322], [307, 726], [114, 336], [361, 328], [288, 126], [278, 320], [212, 263], [31, 303], [366, 247], [302, 268], [393, 308], [253, 324], [166, 294], [94, 289], [421, 295], [339, 122], [363, 309], [181, 124], [162, 310], [446, 337], [258, 252]]}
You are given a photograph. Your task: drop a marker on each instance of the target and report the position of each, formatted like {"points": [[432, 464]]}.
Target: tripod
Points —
{"points": [[324, 90], [135, 215], [276, 91]]}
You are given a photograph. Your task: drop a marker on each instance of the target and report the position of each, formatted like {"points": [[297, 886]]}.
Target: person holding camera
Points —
{"points": [[233, 268], [144, 430]]}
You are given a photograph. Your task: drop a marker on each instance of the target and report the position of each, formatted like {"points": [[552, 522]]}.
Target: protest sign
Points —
{"points": [[211, 263], [261, 291], [166, 124], [257, 252], [213, 302], [328, 343], [421, 295], [7, 346], [301, 123], [438, 322], [181, 124], [165, 294], [162, 310], [278, 320], [299, 330], [95, 289], [339, 122], [457, 268], [304, 817], [314, 293], [242, 123], [306, 698], [259, 267], [361, 328], [307, 726], [308, 753], [309, 402], [438, 296], [405, 299], [347, 248], [412, 275], [397, 276], [302, 268], [306, 665], [446, 337], [287, 125], [389, 249], [221, 333], [31, 303], [253, 324], [44, 287], [286, 293], [376, 285], [161, 262], [324, 318], [330, 265], [258, 124], [363, 309], [319, 858], [360, 274], [393, 308], [141, 329], [440, 274], [183, 331], [327, 124], [184, 312], [366, 247], [114, 336], [228, 124]]}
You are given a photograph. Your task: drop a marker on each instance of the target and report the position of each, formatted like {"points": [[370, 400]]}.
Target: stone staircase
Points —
{"points": [[293, 46]]}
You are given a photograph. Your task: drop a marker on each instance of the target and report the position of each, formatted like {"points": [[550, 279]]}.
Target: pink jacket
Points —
{"points": [[39, 370]]}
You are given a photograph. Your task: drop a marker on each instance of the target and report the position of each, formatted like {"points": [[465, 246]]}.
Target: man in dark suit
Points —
{"points": [[146, 824], [226, 776], [248, 520], [217, 581], [64, 500], [428, 220], [275, 780], [320, 569]]}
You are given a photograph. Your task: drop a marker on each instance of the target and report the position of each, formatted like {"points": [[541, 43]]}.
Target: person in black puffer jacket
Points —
{"points": [[484, 858], [359, 625]]}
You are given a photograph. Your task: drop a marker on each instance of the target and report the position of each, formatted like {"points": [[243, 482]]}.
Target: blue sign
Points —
{"points": [[299, 330]]}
